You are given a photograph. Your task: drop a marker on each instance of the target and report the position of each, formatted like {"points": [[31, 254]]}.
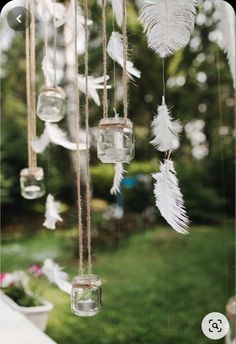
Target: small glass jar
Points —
{"points": [[32, 183], [86, 298], [51, 104], [115, 140]]}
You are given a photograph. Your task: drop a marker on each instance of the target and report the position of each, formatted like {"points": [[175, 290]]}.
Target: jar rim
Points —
{"points": [[57, 89], [86, 280], [35, 172], [119, 122]]}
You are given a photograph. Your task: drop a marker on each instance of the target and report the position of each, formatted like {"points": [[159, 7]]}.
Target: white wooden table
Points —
{"points": [[16, 329]]}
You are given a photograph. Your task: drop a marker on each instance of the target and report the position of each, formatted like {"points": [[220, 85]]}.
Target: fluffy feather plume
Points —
{"points": [[94, 84], [118, 11], [48, 72], [169, 198], [168, 24], [227, 27], [119, 171], [165, 130], [52, 213], [115, 50], [52, 133], [55, 275]]}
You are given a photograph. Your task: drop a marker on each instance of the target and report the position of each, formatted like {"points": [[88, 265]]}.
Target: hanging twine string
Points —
{"points": [[88, 193], [125, 77], [54, 43], [163, 78], [78, 160], [104, 32], [30, 85], [114, 70], [45, 33]]}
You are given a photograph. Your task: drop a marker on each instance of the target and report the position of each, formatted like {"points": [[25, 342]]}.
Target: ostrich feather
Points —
{"points": [[165, 130], [228, 29], [115, 50], [94, 84], [118, 11], [168, 24], [55, 275], [169, 198], [119, 171], [52, 213]]}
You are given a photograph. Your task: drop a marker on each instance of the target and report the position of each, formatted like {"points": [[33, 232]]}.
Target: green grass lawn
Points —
{"points": [[157, 285]]}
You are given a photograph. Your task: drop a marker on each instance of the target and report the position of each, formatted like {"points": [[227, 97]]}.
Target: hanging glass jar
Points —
{"points": [[51, 104], [115, 140], [86, 297], [32, 183]]}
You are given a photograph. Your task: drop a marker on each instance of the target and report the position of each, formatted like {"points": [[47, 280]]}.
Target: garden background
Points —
{"points": [[157, 285]]}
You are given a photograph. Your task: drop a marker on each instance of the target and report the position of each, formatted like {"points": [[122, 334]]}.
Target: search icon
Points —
{"points": [[215, 325]]}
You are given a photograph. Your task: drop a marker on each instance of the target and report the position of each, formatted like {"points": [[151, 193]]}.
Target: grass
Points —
{"points": [[157, 285]]}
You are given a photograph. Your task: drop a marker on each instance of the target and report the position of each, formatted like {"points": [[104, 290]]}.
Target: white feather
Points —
{"points": [[55, 275], [40, 144], [117, 10], [169, 198], [165, 130], [59, 10], [115, 50], [168, 24], [48, 71], [119, 171], [228, 29], [52, 213], [59, 137], [94, 84]]}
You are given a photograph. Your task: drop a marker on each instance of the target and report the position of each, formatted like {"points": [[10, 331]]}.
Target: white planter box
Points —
{"points": [[38, 314]]}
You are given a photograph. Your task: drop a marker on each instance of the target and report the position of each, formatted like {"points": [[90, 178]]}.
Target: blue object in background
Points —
{"points": [[129, 182]]}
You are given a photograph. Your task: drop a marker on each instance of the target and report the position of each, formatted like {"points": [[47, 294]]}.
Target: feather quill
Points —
{"points": [[115, 50], [94, 84], [118, 177], [165, 130], [228, 29], [169, 198], [55, 275], [52, 213], [168, 24]]}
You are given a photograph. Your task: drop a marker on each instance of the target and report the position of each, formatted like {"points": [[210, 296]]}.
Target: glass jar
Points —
{"points": [[86, 297], [115, 140], [51, 104], [32, 183]]}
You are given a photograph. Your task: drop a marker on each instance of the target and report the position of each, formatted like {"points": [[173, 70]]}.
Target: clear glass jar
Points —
{"points": [[32, 183], [86, 298], [51, 104], [115, 140]]}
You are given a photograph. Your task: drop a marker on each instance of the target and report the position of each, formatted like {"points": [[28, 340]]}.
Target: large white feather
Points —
{"points": [[40, 144], [55, 275], [115, 50], [94, 84], [52, 213], [168, 24], [117, 10], [228, 29], [119, 171], [169, 198], [165, 130], [48, 71]]}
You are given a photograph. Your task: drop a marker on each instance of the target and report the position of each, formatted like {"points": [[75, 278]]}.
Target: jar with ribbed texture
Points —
{"points": [[32, 183], [51, 104]]}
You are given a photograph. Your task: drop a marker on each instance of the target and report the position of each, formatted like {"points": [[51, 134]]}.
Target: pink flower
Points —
{"points": [[6, 280], [36, 270]]}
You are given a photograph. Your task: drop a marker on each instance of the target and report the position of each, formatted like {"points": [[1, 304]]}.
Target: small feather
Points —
{"points": [[168, 24], [55, 275], [169, 198], [40, 144], [115, 50], [58, 136], [165, 130], [118, 177], [52, 213], [49, 71], [228, 29], [117, 10], [94, 84]]}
